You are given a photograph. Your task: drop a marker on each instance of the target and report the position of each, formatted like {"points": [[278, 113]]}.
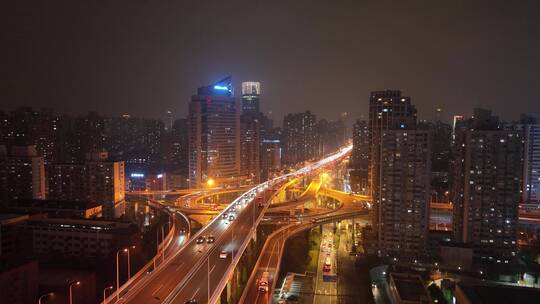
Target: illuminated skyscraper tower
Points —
{"points": [[251, 92], [214, 135]]}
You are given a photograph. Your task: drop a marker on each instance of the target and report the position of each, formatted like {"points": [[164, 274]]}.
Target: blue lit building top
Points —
{"points": [[220, 88]]}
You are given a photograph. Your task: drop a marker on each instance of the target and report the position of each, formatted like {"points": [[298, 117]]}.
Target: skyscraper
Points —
{"points": [[250, 145], [359, 165], [251, 92], [486, 184], [403, 211], [214, 135], [531, 166], [400, 169], [299, 137]]}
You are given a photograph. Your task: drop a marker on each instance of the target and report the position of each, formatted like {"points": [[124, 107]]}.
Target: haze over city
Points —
{"points": [[317, 152], [143, 59]]}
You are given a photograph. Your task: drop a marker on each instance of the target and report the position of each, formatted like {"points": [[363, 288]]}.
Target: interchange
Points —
{"points": [[197, 272]]}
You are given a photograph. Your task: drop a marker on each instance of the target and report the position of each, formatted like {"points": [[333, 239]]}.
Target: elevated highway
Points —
{"points": [[200, 271]]}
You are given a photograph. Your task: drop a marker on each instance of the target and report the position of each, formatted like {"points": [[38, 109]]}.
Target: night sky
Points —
{"points": [[145, 57]]}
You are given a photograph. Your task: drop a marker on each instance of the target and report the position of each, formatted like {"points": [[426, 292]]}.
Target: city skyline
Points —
{"points": [[259, 152], [450, 56]]}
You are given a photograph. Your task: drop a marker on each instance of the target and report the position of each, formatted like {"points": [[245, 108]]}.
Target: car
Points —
{"points": [[223, 254], [210, 239], [224, 216], [231, 218], [192, 301], [263, 282], [201, 240], [183, 230]]}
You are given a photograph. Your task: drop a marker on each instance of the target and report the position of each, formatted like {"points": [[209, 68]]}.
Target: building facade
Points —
{"points": [[403, 213], [270, 158], [250, 146], [22, 173], [214, 135], [486, 184], [97, 180], [531, 166], [359, 173], [251, 91], [399, 174], [299, 138]]}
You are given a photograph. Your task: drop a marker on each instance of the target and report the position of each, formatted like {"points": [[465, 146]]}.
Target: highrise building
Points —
{"points": [[486, 184], [250, 145], [22, 173], [359, 174], [178, 146], [531, 166], [96, 180], [214, 135], [330, 136], [400, 167], [299, 138], [251, 92], [531, 158], [403, 211], [270, 158]]}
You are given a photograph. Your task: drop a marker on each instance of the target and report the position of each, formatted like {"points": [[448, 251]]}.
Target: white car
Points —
{"points": [[223, 254]]}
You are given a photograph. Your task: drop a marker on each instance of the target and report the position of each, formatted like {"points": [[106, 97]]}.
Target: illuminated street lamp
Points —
{"points": [[50, 294], [105, 292], [210, 182], [118, 273], [76, 283]]}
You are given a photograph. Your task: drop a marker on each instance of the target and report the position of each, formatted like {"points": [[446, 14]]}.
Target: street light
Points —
{"points": [[118, 273], [105, 292], [210, 182], [129, 262], [76, 283], [50, 294]]}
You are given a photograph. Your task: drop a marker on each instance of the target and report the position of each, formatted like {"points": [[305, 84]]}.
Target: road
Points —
{"points": [[269, 260], [326, 292]]}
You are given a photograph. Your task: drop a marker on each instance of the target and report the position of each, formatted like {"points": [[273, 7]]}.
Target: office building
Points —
{"points": [[299, 138], [22, 173], [487, 171], [214, 135]]}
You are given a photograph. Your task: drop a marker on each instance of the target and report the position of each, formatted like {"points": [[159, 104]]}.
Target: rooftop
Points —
{"points": [[495, 294]]}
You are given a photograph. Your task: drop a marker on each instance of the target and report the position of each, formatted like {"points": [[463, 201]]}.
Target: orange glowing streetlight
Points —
{"points": [[210, 182]]}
